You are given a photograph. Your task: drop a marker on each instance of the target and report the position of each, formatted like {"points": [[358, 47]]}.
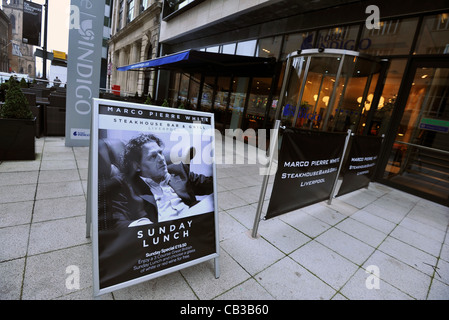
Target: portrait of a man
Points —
{"points": [[153, 190]]}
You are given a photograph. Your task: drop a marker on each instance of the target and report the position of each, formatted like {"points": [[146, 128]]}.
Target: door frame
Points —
{"points": [[413, 64]]}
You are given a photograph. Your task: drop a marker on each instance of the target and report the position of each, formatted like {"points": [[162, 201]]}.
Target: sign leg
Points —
{"points": [[217, 267]]}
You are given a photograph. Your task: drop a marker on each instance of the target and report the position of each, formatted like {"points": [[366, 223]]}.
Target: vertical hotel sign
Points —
{"points": [[84, 68]]}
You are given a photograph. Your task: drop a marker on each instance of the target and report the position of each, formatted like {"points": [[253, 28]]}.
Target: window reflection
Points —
{"points": [[394, 37], [246, 48], [434, 35], [269, 47]]}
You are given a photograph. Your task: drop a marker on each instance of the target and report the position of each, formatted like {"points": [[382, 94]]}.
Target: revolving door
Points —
{"points": [[331, 90]]}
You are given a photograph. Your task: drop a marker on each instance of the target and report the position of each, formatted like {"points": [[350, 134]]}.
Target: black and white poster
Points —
{"points": [[359, 167], [307, 168], [155, 209]]}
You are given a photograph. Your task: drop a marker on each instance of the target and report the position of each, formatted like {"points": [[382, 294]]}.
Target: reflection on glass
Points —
{"points": [[292, 93], [434, 35], [257, 104], [208, 91], [338, 38], [194, 90], [221, 101], [183, 90], [246, 48], [382, 115], [335, 96], [174, 89], [420, 155], [269, 47], [228, 48], [295, 42], [394, 37], [237, 101]]}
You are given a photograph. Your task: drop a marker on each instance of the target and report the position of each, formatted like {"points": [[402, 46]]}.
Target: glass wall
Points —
{"points": [[395, 37], [434, 35], [338, 38], [237, 102], [297, 41], [194, 90], [221, 101], [329, 91], [183, 90], [207, 97], [420, 153], [354, 94], [258, 103], [387, 102], [269, 47]]}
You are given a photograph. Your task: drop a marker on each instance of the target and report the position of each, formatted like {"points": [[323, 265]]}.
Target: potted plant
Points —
{"points": [[17, 126]]}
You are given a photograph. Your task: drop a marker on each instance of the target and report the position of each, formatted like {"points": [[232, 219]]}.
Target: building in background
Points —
{"points": [[135, 37], [22, 60]]}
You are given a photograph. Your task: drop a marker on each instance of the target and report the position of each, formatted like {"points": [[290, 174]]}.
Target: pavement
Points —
{"points": [[374, 243]]}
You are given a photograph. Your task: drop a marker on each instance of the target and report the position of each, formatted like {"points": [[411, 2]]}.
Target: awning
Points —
{"points": [[192, 61]]}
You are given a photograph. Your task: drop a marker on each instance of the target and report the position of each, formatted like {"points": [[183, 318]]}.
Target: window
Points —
{"points": [[434, 35], [145, 4], [120, 15], [338, 38], [246, 48], [13, 23], [229, 48], [130, 10], [213, 49], [393, 38], [269, 47], [295, 42]]}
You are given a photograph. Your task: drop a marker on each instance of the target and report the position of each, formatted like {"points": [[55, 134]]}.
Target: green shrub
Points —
{"points": [[16, 104]]}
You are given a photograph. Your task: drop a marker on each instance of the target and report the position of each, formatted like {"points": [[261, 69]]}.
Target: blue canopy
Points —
{"points": [[180, 56], [209, 63]]}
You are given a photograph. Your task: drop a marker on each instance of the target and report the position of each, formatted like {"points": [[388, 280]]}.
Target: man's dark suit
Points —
{"points": [[133, 200]]}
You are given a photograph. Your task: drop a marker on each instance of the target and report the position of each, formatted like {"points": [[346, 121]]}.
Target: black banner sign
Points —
{"points": [[359, 167], [307, 169]]}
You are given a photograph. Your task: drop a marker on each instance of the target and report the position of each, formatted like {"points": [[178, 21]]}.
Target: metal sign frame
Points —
{"points": [[93, 196]]}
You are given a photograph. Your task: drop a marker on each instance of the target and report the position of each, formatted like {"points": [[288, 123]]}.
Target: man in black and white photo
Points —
{"points": [[152, 191]]}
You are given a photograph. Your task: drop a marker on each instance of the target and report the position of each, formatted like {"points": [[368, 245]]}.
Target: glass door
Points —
{"points": [[419, 158]]}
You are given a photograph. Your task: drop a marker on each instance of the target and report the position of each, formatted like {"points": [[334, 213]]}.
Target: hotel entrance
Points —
{"points": [[416, 154], [331, 90]]}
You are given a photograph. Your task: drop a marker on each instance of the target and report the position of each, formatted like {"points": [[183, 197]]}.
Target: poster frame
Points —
{"points": [[92, 201]]}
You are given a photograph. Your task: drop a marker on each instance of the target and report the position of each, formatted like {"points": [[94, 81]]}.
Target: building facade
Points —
{"points": [[22, 60], [134, 37], [405, 98]]}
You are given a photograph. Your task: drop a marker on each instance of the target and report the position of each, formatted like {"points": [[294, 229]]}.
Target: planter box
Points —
{"points": [[17, 139]]}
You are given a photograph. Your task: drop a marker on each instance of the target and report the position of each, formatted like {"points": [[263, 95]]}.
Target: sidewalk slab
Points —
{"points": [[323, 251]]}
